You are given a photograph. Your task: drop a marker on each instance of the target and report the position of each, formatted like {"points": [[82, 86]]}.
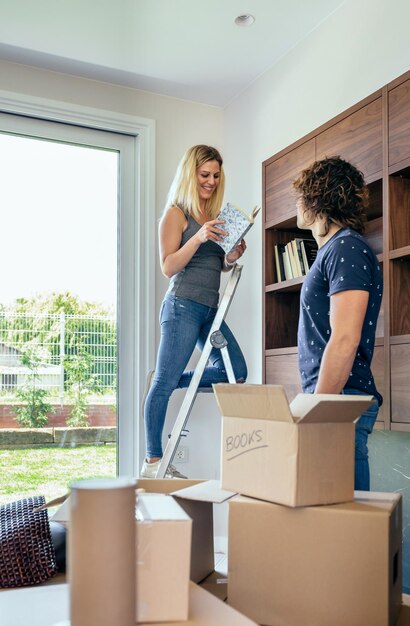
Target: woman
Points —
{"points": [[193, 261]]}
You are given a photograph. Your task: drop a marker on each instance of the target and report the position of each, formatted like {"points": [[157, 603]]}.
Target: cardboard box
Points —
{"points": [[404, 619], [49, 606], [315, 566], [163, 559], [206, 610], [299, 454], [217, 584], [197, 498]]}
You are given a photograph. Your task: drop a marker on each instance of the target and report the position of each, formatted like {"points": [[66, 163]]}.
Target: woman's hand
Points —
{"points": [[211, 232], [236, 253]]}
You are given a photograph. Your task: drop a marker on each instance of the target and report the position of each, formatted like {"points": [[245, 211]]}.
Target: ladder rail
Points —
{"points": [[192, 389], [228, 365]]}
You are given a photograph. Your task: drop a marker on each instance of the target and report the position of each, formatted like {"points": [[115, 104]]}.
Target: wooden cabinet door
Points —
{"points": [[399, 190], [283, 369], [399, 123], [400, 377], [280, 200], [357, 139]]}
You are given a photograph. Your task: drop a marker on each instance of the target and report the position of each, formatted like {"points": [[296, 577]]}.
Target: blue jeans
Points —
{"points": [[184, 325], [364, 427]]}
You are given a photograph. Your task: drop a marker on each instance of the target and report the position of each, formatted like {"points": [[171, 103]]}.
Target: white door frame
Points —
{"points": [[136, 328]]}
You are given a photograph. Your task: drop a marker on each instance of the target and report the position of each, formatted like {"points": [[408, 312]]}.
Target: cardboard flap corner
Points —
{"points": [[208, 491], [253, 401], [62, 514], [309, 408], [156, 507]]}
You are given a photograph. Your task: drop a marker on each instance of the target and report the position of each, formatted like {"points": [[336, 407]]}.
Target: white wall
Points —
{"points": [[360, 48]]}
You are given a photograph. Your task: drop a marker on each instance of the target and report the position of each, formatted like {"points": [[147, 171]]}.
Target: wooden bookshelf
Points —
{"points": [[375, 136]]}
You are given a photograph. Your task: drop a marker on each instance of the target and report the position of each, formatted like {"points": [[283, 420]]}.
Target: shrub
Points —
{"points": [[35, 410]]}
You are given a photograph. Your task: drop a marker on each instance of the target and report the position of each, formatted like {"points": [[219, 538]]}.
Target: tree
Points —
{"points": [[81, 381], [34, 412], [89, 328]]}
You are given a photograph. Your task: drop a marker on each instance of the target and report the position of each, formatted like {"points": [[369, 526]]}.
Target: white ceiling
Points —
{"points": [[188, 49]]}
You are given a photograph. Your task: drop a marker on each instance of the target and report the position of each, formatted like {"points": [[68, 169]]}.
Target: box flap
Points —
{"points": [[386, 500], [253, 401], [208, 491], [62, 514], [164, 485], [155, 507], [328, 407]]}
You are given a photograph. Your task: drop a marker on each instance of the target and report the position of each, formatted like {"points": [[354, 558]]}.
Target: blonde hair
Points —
{"points": [[183, 192]]}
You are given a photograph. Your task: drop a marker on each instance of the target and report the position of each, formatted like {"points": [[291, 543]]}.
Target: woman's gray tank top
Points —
{"points": [[201, 277]]}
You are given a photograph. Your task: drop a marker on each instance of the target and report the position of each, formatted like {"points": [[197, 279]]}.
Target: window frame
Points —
{"points": [[136, 240]]}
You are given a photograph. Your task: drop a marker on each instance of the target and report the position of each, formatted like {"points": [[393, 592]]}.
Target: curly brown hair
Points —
{"points": [[335, 190]]}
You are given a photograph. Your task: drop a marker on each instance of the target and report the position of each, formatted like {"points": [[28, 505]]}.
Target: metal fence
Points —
{"points": [[55, 340]]}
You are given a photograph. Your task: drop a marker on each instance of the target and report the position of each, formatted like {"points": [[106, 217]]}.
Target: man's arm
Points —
{"points": [[347, 313]]}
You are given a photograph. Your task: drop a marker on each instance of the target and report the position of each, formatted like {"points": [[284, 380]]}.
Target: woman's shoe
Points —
{"points": [[149, 470]]}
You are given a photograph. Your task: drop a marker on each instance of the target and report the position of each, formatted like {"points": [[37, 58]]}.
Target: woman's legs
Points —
{"points": [[181, 322], [215, 371], [184, 324]]}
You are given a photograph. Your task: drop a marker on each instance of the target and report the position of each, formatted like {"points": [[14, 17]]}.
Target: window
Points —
{"points": [[135, 264]]}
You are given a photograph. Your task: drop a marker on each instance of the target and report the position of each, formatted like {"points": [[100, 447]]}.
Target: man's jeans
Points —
{"points": [[364, 427], [184, 325]]}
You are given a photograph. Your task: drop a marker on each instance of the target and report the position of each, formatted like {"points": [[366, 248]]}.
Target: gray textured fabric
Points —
{"points": [[27, 555], [200, 279]]}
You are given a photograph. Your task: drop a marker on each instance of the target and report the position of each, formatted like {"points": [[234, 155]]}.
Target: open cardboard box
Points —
{"points": [[196, 498], [338, 565], [299, 454], [166, 557]]}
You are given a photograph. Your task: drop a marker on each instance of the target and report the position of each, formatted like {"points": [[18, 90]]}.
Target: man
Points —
{"points": [[341, 294]]}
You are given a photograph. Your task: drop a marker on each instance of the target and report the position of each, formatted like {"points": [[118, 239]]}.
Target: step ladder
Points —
{"points": [[217, 340]]}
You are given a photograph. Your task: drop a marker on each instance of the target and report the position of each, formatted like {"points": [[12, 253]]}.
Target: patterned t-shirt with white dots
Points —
{"points": [[345, 262]]}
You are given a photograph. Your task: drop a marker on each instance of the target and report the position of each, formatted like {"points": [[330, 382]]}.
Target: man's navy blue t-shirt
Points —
{"points": [[345, 262]]}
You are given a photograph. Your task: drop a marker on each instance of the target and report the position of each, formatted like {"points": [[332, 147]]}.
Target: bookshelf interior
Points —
{"points": [[375, 136]]}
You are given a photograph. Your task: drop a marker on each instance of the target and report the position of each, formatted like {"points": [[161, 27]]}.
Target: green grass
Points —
{"points": [[49, 471]]}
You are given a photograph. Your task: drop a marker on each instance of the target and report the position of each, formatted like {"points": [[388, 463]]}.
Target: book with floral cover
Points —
{"points": [[237, 224]]}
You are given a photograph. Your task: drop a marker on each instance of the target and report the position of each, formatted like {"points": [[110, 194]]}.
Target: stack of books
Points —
{"points": [[295, 258]]}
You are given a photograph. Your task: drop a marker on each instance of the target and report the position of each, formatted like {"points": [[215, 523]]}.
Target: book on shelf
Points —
{"points": [[298, 258], [308, 248], [279, 261], [294, 259], [282, 263], [289, 250], [237, 224], [279, 265], [287, 263]]}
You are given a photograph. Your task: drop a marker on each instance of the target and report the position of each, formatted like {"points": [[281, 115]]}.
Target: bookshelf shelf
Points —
{"points": [[401, 253], [375, 136], [293, 284]]}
